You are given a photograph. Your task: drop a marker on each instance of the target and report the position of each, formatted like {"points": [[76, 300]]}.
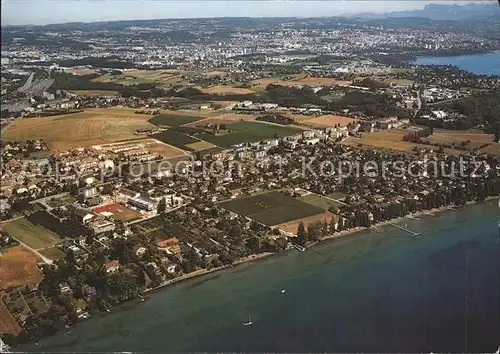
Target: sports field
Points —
{"points": [[94, 126], [271, 208], [242, 132], [118, 212], [32, 235], [19, 267]]}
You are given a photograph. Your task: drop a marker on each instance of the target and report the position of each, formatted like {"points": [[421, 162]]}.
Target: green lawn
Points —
{"points": [[319, 201], [30, 234], [243, 132]]}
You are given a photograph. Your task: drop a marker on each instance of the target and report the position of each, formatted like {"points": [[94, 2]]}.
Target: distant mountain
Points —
{"points": [[444, 12]]}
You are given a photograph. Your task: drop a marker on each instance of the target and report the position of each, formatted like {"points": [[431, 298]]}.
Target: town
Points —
{"points": [[153, 152]]}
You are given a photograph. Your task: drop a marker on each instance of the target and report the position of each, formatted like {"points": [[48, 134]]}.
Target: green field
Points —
{"points": [[61, 201], [271, 208], [52, 253], [319, 201], [176, 139], [242, 132], [126, 214], [33, 235], [173, 120], [93, 93]]}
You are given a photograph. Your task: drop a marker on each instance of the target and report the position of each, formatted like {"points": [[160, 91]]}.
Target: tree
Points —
{"points": [[162, 206], [301, 234], [313, 232], [253, 244], [333, 225], [235, 232]]}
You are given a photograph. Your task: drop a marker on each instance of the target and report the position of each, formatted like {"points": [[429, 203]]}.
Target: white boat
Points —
{"points": [[283, 291], [249, 322]]}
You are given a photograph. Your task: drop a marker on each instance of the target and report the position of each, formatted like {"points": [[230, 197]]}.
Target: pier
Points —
{"points": [[300, 248], [405, 229]]}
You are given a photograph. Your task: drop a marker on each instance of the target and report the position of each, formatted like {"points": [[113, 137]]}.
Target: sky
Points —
{"points": [[40, 12]]}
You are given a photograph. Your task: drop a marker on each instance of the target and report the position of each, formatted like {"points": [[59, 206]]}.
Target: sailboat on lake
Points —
{"points": [[249, 322]]}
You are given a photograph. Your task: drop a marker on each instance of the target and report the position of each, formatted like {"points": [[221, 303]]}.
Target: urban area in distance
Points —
{"points": [[137, 154]]}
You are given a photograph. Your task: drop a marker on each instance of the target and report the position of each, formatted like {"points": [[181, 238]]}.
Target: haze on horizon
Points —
{"points": [[42, 12]]}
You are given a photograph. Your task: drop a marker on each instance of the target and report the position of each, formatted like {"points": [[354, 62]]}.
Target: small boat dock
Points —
{"points": [[299, 248], [405, 229]]}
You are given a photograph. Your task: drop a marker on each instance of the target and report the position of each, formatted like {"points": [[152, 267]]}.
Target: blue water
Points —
{"points": [[369, 292], [487, 64]]}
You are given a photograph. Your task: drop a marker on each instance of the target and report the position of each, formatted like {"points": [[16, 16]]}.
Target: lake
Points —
{"points": [[486, 64], [373, 291]]}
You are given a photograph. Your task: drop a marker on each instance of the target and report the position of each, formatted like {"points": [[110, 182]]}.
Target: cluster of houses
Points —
{"points": [[436, 94]]}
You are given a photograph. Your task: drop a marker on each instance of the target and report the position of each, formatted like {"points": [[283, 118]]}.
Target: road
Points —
{"points": [[27, 84], [45, 259]]}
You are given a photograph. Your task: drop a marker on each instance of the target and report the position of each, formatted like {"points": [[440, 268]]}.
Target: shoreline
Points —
{"points": [[201, 272], [415, 216], [261, 256], [344, 233]]}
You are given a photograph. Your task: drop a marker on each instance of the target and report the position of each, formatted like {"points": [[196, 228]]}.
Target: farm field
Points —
{"points": [[453, 143], [271, 208], [464, 136], [243, 132], [200, 145], [226, 90], [19, 267], [94, 126], [8, 323], [261, 84], [225, 118], [492, 149], [163, 149], [292, 226], [32, 235], [164, 78], [391, 139], [118, 212], [174, 120], [93, 93], [319, 201], [179, 140], [329, 120], [52, 253], [397, 81]]}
